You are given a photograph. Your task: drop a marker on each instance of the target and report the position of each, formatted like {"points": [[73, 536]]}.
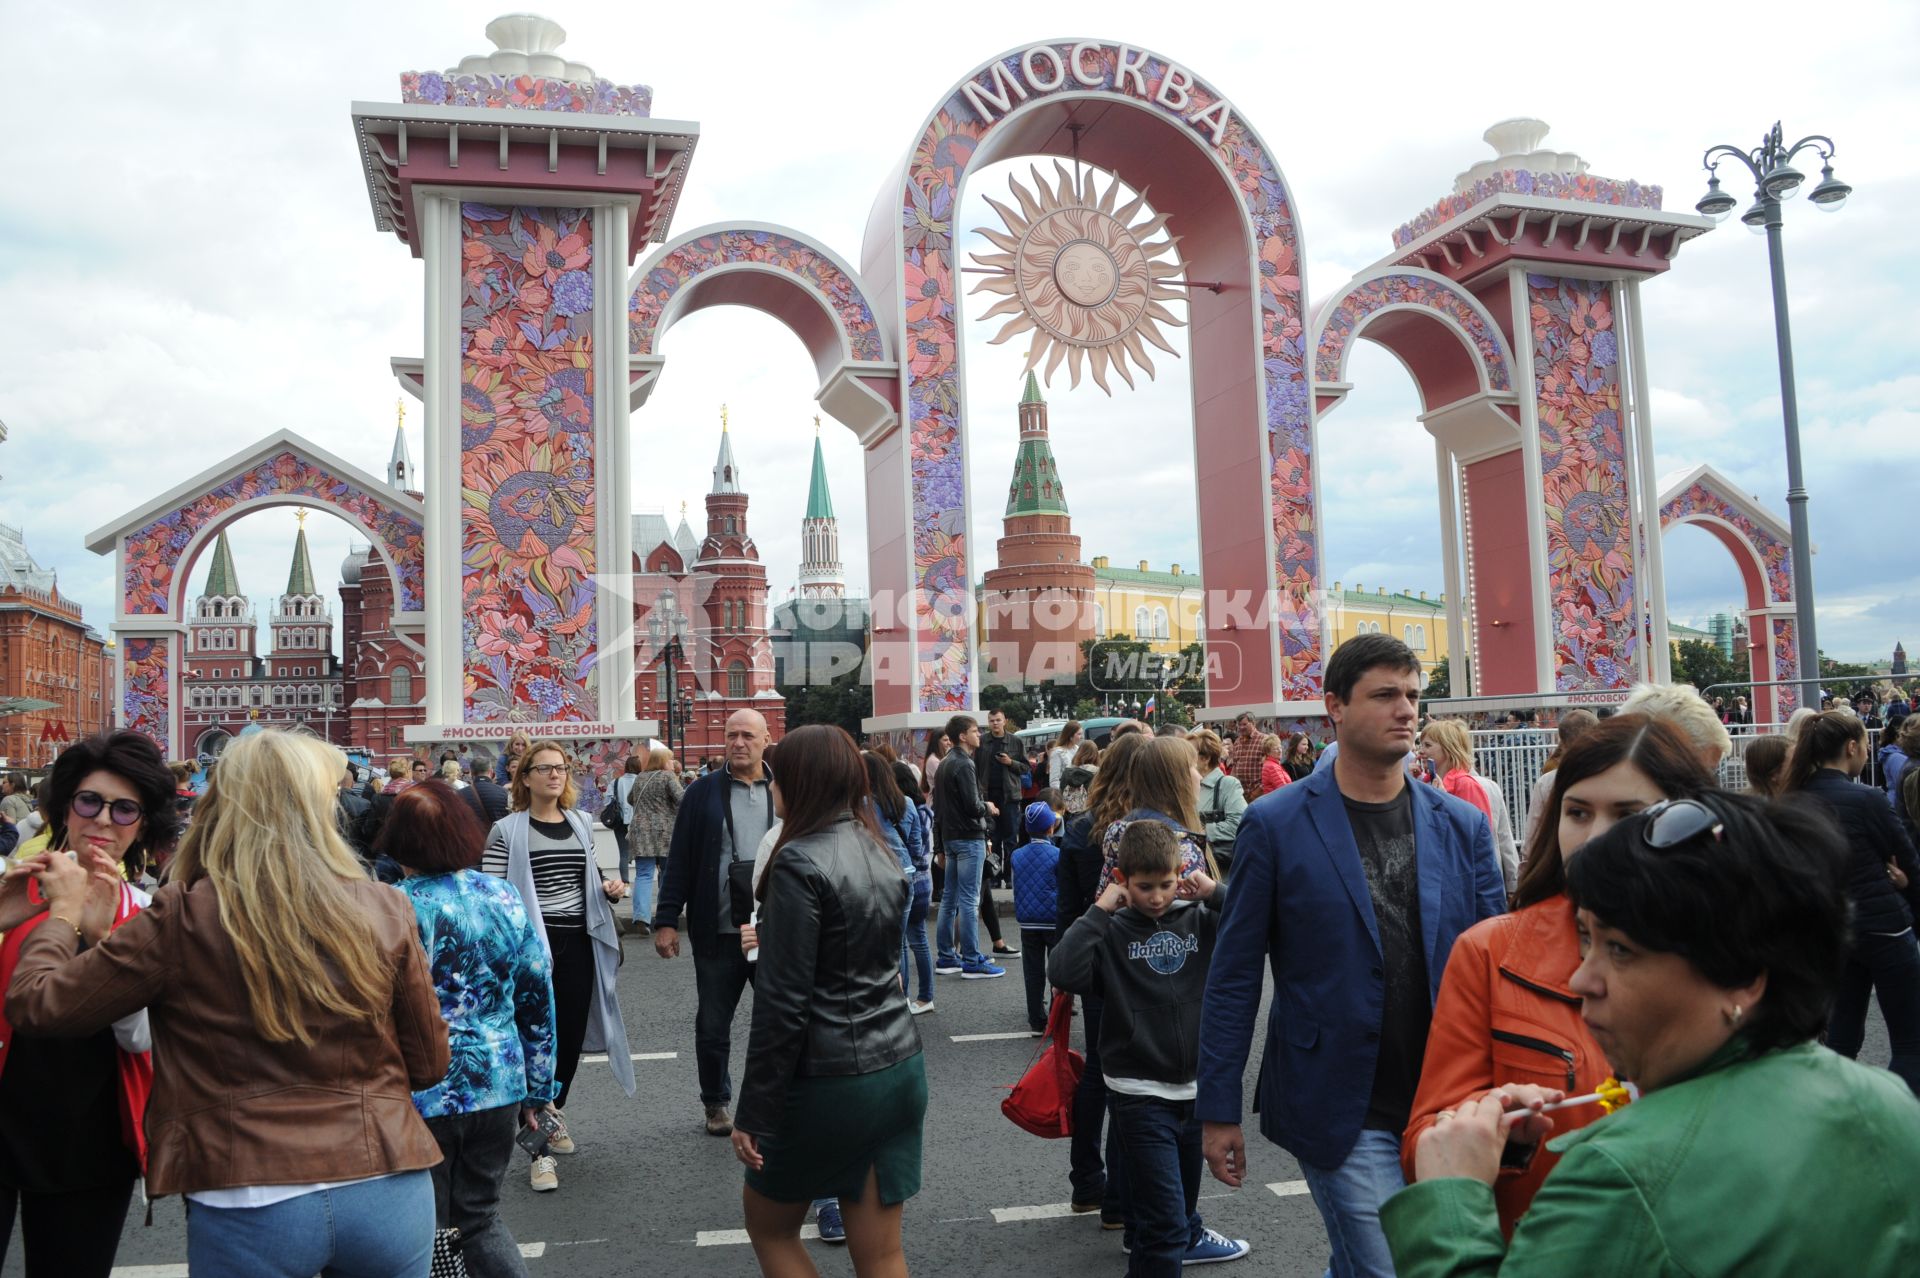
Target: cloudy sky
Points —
{"points": [[193, 263]]}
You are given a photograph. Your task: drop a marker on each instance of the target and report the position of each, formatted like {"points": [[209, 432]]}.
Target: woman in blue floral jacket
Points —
{"points": [[496, 994]]}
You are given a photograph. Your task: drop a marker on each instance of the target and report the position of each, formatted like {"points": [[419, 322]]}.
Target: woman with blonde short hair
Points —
{"points": [[1446, 744]]}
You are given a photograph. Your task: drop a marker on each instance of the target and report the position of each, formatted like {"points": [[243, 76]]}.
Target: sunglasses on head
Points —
{"points": [[1675, 821], [122, 811]]}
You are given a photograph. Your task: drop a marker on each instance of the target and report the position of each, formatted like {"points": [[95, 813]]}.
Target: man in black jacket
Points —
{"points": [[487, 797], [998, 764], [963, 817], [723, 816]]}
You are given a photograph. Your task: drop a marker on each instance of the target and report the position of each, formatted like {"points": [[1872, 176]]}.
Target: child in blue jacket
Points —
{"points": [[1035, 905]]}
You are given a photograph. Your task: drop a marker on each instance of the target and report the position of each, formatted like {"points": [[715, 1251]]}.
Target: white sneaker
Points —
{"points": [[543, 1177], [916, 1008]]}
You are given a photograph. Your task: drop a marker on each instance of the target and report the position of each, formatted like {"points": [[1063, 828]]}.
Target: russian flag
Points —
{"points": [[1151, 702]]}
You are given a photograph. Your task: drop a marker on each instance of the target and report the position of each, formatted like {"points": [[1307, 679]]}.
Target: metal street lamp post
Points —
{"points": [[1775, 178]]}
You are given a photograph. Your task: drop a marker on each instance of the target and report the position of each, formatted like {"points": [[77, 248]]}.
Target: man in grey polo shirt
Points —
{"points": [[722, 818]]}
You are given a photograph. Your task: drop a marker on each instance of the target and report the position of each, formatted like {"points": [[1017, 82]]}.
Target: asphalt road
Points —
{"points": [[649, 1192]]}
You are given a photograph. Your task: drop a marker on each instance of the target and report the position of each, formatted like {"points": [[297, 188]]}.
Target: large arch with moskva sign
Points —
{"points": [[1164, 130]]}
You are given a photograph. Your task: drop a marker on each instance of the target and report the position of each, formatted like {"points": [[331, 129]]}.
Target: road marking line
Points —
{"points": [[738, 1237], [993, 1038], [600, 1058], [533, 1251], [1045, 1211], [1288, 1188]]}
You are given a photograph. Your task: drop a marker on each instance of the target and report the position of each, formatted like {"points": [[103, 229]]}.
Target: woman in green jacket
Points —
{"points": [[1712, 931]]}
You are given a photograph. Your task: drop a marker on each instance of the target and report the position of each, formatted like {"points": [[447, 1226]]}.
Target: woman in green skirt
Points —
{"points": [[835, 1091]]}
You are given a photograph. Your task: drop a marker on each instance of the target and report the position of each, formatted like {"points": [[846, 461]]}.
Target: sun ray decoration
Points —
{"points": [[1081, 276]]}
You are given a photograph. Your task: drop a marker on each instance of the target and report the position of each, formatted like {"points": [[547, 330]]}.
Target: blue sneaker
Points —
{"points": [[981, 971], [1215, 1248], [832, 1228]]}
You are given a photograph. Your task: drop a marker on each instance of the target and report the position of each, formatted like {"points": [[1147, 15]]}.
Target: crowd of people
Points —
{"points": [[1618, 1037]]}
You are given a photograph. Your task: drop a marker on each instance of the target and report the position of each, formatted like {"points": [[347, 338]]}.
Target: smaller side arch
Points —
{"points": [[1482, 364], [790, 276]]}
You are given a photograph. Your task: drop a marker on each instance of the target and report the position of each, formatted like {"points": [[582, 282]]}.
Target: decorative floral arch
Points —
{"points": [[155, 547], [1762, 548], [1345, 317]]}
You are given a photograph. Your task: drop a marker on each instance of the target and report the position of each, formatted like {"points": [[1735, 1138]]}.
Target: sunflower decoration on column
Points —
{"points": [[1081, 275]]}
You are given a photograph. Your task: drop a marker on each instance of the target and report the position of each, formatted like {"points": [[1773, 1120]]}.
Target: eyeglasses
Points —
{"points": [[122, 811], [1676, 821], [546, 769]]}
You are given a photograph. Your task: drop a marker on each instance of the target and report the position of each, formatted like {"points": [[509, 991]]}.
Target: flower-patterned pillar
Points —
{"points": [[149, 683], [1591, 632], [525, 184]]}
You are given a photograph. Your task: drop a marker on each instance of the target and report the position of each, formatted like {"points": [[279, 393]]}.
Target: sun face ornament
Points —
{"points": [[1081, 276]]}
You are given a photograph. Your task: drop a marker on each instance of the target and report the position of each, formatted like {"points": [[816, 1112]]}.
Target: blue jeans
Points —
{"points": [[1349, 1198], [643, 868], [960, 903], [913, 940], [372, 1229], [1160, 1145]]}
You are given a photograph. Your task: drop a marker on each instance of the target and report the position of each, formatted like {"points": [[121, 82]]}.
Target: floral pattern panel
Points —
{"points": [[153, 577], [1366, 299], [529, 633], [1773, 552], [1786, 666], [147, 706], [1583, 471], [935, 171], [1587, 188], [525, 93], [768, 249]]}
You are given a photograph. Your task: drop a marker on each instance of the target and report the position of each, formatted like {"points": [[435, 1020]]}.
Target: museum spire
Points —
{"points": [[726, 472]]}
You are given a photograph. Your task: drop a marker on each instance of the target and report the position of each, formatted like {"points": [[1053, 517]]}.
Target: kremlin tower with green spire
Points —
{"points": [[820, 573], [1039, 600]]}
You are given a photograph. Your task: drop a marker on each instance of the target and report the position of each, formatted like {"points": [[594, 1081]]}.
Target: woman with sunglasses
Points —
{"points": [[1711, 930], [1883, 880], [293, 1015], [71, 1109], [545, 849], [1507, 1016]]}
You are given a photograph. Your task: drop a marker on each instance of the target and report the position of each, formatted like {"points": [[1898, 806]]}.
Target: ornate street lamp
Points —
{"points": [[1775, 178]]}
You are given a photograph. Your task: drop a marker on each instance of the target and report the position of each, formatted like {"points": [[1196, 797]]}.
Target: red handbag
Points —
{"points": [[1042, 1101]]}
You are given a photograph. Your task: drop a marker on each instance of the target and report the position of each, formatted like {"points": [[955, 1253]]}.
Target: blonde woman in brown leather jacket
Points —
{"points": [[293, 1015]]}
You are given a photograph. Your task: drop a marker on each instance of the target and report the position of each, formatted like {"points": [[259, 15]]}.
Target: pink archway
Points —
{"points": [[1762, 550]]}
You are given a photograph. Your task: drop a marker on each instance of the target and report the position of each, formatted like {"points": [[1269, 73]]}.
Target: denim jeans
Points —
{"points": [[1160, 1144], [1889, 968], [370, 1229], [960, 903], [1349, 1198], [913, 940], [640, 879], [1093, 1179], [720, 973], [476, 1149]]}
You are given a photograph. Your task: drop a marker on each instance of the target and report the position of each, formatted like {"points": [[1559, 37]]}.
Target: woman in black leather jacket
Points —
{"points": [[835, 1092], [1883, 878]]}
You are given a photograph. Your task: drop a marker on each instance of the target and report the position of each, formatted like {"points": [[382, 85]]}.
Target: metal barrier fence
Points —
{"points": [[1513, 760]]}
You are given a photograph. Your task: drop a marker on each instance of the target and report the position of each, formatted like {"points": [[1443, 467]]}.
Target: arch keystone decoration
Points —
{"points": [[155, 546]]}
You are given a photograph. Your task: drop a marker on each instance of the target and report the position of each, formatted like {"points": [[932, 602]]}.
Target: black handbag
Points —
{"points": [[740, 892]]}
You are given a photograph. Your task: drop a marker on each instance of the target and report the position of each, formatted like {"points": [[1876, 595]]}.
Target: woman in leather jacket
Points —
{"points": [[835, 1092]]}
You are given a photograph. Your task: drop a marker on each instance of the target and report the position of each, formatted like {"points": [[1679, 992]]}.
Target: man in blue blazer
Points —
{"points": [[1351, 886]]}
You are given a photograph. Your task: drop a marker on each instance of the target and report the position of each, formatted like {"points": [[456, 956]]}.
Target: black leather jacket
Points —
{"points": [[1874, 837], [957, 806], [827, 998]]}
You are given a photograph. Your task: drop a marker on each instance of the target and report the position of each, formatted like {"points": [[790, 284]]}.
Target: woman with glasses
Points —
{"points": [[1884, 881], [1711, 930], [292, 1017], [1507, 1015], [71, 1109], [545, 849]]}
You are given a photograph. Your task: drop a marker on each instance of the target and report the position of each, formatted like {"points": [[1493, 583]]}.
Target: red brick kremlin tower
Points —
{"points": [[1039, 601], [738, 656]]}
